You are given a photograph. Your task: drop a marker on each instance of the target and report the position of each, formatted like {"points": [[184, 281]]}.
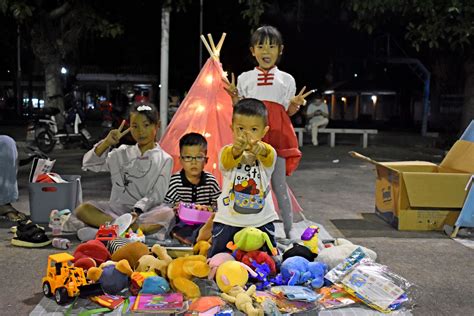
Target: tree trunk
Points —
{"points": [[468, 106], [53, 85]]}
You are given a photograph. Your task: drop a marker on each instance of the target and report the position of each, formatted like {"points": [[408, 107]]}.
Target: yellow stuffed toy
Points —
{"points": [[232, 273], [243, 300], [182, 269], [150, 263]]}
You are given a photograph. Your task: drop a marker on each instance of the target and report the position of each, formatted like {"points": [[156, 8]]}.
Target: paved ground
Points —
{"points": [[338, 195]]}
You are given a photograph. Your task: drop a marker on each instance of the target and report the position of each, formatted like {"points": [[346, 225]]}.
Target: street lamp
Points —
{"points": [[63, 70]]}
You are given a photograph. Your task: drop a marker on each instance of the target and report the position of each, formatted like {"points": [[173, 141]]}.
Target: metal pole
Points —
{"points": [[200, 32], [19, 99], [164, 63]]}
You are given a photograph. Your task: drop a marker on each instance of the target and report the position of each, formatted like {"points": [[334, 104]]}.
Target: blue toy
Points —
{"points": [[155, 285], [262, 270], [298, 270]]}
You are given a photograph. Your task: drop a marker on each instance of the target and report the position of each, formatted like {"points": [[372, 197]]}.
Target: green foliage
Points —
{"points": [[428, 23], [253, 12]]}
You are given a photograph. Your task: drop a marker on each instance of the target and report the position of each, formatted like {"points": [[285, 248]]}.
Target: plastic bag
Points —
{"points": [[372, 283]]}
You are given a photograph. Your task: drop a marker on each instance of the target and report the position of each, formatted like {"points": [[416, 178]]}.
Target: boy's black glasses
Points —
{"points": [[191, 158]]}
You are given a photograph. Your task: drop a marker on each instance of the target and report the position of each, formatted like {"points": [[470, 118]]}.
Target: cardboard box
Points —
{"points": [[419, 195]]}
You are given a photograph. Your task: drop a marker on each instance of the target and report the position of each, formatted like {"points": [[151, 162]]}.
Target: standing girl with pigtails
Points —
{"points": [[277, 90]]}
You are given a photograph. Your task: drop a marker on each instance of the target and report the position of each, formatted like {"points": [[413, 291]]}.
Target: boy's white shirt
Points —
{"points": [[226, 214], [147, 177], [281, 89]]}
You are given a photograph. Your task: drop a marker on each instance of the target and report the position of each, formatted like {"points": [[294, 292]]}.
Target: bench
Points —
{"points": [[333, 131]]}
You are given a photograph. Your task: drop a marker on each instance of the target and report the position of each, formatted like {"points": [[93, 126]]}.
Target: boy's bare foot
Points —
{"points": [[11, 213]]}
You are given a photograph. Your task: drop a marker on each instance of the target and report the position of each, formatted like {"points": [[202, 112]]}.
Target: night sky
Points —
{"points": [[310, 46]]}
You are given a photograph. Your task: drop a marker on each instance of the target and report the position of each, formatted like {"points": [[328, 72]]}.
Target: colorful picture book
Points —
{"points": [[109, 301], [158, 303]]}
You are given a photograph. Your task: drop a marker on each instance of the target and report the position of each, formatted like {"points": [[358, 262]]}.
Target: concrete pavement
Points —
{"points": [[338, 195]]}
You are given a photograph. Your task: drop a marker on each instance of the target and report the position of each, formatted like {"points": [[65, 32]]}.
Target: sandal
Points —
{"points": [[30, 235], [12, 214]]}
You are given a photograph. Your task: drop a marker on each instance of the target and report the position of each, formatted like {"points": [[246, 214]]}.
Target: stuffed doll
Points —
{"points": [[151, 263], [201, 248], [131, 252], [251, 238], [114, 277], [298, 270], [299, 250], [182, 269], [243, 300], [256, 256], [92, 249], [215, 261], [332, 256], [232, 273], [155, 285]]}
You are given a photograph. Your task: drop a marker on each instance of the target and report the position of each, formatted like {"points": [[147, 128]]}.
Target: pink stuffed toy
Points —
{"points": [[94, 249], [216, 261]]}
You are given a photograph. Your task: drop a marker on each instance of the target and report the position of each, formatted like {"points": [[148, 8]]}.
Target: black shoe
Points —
{"points": [[30, 235]]}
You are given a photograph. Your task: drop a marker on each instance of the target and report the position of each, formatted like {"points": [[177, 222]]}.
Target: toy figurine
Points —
{"points": [[310, 238]]}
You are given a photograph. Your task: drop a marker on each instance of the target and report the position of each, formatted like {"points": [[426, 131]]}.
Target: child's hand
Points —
{"points": [[298, 100], [114, 135], [240, 144], [231, 88], [258, 148]]}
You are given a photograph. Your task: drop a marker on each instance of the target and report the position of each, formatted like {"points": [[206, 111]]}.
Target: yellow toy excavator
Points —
{"points": [[65, 281]]}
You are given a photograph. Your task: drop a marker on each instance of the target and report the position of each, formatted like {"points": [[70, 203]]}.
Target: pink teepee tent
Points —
{"points": [[207, 109]]}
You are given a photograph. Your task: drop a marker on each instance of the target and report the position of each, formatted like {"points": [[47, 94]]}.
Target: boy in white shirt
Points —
{"points": [[246, 167]]}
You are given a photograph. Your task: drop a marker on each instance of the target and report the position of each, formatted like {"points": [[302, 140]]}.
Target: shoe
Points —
{"points": [[11, 213], [72, 224], [30, 235], [87, 233]]}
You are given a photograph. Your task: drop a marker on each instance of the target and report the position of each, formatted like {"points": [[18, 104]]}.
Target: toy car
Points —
{"points": [[65, 281], [107, 232]]}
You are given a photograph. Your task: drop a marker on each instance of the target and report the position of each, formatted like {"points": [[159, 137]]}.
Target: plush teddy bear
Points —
{"points": [[114, 277], [243, 300], [342, 248], [182, 269], [151, 263], [298, 270], [250, 238], [232, 273], [131, 252]]}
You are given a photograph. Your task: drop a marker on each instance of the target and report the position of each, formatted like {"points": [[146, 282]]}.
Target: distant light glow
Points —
{"points": [[200, 108], [355, 75], [207, 135], [63, 70], [329, 92], [8, 71], [159, 86], [214, 166], [374, 98], [343, 99]]}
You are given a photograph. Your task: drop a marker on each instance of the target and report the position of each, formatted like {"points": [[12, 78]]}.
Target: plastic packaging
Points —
{"points": [[372, 283]]}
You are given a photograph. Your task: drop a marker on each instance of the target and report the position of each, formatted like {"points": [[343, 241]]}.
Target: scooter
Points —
{"points": [[47, 134]]}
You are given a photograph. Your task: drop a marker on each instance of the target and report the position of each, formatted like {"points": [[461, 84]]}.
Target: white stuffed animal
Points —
{"points": [[342, 248]]}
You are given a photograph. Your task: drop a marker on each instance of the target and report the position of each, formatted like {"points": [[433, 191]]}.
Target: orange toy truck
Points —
{"points": [[65, 281]]}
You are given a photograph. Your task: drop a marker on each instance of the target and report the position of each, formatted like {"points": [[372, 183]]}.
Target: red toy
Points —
{"points": [[107, 232], [257, 256]]}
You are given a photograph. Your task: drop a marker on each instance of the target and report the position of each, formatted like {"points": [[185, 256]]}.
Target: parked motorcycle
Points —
{"points": [[45, 132]]}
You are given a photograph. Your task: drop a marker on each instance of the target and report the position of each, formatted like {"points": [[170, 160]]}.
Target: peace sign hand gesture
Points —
{"points": [[115, 135], [231, 88], [298, 100]]}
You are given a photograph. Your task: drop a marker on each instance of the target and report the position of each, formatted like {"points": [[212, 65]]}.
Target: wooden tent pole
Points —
{"points": [[207, 46]]}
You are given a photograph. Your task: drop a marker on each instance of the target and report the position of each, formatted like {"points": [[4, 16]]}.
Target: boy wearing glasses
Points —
{"points": [[192, 184]]}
